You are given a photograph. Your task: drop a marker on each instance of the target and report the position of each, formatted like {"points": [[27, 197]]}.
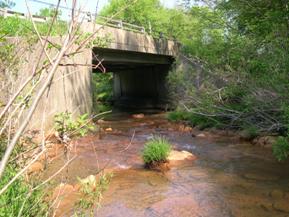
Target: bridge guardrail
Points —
{"points": [[88, 17], [8, 13], [120, 24]]}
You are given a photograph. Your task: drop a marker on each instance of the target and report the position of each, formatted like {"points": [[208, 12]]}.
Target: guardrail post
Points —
{"points": [[120, 24], [142, 29], [3, 12], [89, 16]]}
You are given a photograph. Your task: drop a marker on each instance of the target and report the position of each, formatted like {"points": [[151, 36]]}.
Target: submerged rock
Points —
{"points": [[258, 177], [162, 166], [281, 205], [276, 194], [138, 116]]}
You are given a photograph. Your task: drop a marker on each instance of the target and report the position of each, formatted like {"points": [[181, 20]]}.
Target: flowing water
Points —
{"points": [[229, 178]]}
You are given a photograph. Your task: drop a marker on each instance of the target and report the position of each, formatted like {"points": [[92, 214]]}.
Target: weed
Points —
{"points": [[91, 190], [65, 125]]}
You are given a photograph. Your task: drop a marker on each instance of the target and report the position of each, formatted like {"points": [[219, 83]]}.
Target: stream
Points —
{"points": [[229, 178]]}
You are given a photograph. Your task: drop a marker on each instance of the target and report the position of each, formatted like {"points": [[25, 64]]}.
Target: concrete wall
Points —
{"points": [[70, 89], [132, 41]]}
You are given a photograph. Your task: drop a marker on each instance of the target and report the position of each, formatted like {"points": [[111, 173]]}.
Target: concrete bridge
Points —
{"points": [[138, 61]]}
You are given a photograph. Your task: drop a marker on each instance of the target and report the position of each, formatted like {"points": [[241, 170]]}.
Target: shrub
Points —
{"points": [[250, 132], [177, 115], [281, 148], [102, 91], [201, 121], [91, 190], [156, 150], [65, 125]]}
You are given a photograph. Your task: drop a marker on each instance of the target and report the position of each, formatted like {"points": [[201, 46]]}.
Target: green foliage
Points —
{"points": [[14, 26], [195, 119], [91, 190], [177, 115], [102, 91], [6, 4], [242, 50], [281, 148], [250, 132], [50, 12], [66, 126], [156, 150], [18, 199]]}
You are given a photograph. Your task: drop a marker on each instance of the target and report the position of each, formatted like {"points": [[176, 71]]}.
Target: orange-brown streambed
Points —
{"points": [[229, 178]]}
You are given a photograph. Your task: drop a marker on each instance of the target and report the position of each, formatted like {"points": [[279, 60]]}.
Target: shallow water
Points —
{"points": [[228, 178]]}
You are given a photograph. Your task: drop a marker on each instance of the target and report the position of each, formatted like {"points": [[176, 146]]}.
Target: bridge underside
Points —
{"points": [[139, 79]]}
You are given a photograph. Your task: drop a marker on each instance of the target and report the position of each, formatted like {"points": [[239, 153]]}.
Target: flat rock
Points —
{"points": [[181, 156], [108, 129], [201, 135]]}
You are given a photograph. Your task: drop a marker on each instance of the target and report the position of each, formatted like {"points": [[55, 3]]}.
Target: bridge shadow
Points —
{"points": [[139, 79]]}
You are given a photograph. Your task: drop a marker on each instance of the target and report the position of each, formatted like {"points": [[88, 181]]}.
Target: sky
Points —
{"points": [[89, 5]]}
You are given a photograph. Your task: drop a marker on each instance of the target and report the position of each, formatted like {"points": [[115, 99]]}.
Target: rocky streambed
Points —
{"points": [[223, 177]]}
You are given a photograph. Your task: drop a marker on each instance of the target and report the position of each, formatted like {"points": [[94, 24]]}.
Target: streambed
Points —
{"points": [[229, 178]]}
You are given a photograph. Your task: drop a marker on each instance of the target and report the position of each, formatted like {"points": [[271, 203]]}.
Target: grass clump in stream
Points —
{"points": [[156, 151]]}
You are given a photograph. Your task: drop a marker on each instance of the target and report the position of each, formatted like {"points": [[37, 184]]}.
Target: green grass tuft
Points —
{"points": [[156, 150]]}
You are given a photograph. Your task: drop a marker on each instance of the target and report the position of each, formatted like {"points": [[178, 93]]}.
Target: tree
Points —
{"points": [[50, 12], [141, 12], [6, 4]]}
